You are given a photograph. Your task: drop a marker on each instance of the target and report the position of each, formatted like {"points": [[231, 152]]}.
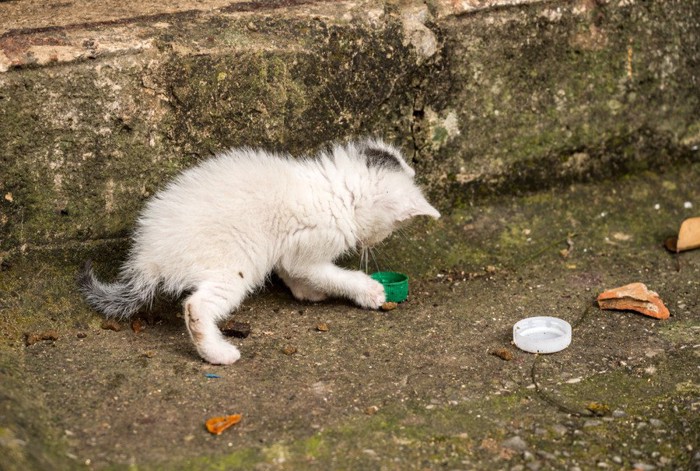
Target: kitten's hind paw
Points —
{"points": [[219, 353], [306, 293]]}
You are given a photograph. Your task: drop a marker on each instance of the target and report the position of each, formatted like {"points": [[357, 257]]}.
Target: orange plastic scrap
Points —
{"points": [[216, 425]]}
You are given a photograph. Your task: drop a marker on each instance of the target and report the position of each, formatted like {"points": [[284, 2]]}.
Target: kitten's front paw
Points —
{"points": [[372, 295], [219, 353]]}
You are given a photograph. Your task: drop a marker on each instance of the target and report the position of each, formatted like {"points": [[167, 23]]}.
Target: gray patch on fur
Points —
{"points": [[381, 158]]}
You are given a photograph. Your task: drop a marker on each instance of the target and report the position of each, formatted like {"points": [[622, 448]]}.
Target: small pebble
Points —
{"points": [[514, 443], [389, 306], [322, 327], [289, 349], [534, 465], [617, 413]]}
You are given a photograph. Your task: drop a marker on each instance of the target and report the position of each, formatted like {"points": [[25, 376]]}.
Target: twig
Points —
{"points": [[547, 398]]}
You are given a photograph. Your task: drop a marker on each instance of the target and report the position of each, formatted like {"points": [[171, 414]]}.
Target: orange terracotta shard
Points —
{"points": [[216, 425], [688, 236], [634, 297]]}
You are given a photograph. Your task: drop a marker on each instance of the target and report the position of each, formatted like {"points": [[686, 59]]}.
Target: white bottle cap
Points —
{"points": [[542, 334]]}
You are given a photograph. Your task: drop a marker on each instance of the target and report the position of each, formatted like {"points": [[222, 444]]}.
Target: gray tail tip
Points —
{"points": [[84, 277]]}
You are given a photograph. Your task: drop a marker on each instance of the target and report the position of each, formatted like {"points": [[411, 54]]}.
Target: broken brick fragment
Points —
{"points": [[634, 297]]}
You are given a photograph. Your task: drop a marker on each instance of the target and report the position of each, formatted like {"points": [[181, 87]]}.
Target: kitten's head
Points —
{"points": [[391, 196]]}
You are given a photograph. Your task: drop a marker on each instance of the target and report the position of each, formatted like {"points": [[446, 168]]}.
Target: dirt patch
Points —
{"points": [[415, 387]]}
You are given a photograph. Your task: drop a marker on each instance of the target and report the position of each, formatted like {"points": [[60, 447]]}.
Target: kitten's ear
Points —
{"points": [[419, 206]]}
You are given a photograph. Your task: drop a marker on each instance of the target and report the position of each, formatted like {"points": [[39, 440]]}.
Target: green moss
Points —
{"points": [[535, 88], [680, 331], [440, 134], [235, 460], [27, 439]]}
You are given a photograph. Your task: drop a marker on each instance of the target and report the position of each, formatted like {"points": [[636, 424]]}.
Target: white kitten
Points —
{"points": [[220, 228]]}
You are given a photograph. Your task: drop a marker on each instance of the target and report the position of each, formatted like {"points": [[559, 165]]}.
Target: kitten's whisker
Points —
{"points": [[364, 259], [374, 259], [403, 232]]}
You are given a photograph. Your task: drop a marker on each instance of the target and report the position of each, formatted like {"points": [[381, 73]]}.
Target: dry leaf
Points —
{"points": [[503, 354], [564, 253], [137, 326], [239, 330], [289, 349], [598, 408], [621, 236], [32, 338], [111, 324], [689, 235], [322, 327]]}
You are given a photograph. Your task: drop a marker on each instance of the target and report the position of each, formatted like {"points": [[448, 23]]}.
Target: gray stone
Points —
{"points": [[514, 443]]}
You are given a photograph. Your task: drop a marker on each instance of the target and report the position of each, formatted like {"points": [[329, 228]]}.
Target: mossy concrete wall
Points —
{"points": [[484, 96]]}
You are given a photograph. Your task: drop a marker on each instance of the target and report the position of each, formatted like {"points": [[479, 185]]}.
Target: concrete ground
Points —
{"points": [[413, 388], [559, 139]]}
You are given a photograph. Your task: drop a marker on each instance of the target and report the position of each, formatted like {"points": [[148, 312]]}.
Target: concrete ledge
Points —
{"points": [[100, 105]]}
